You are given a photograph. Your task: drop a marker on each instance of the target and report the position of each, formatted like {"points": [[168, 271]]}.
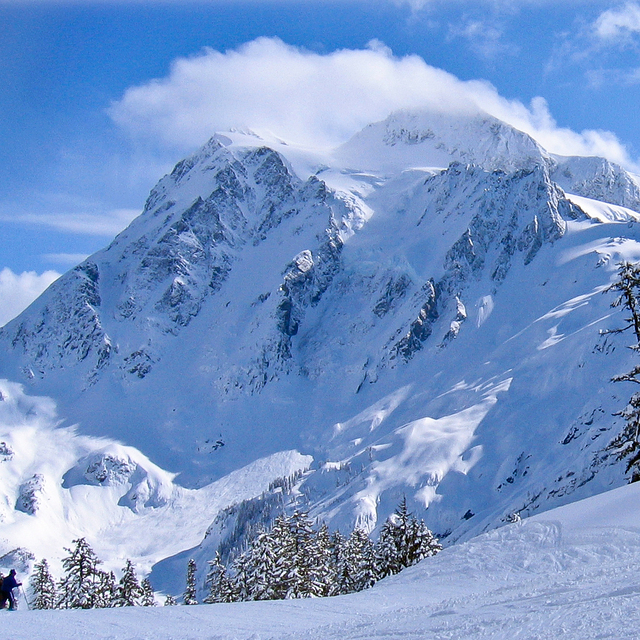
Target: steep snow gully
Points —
{"points": [[418, 313]]}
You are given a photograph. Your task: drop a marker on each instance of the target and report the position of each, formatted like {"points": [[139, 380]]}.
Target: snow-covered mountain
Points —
{"points": [[417, 313]]}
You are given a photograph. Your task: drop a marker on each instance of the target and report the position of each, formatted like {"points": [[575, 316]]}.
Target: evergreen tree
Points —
{"points": [[129, 592], [303, 562], [78, 589], [148, 596], [262, 568], [276, 553], [360, 562], [325, 568], [626, 445], [403, 542], [106, 590], [189, 596], [170, 601], [43, 587], [423, 543], [240, 583], [387, 550], [218, 583], [338, 560]]}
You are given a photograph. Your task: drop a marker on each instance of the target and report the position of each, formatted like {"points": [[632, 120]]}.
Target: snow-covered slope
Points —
{"points": [[569, 573], [417, 314], [57, 484]]}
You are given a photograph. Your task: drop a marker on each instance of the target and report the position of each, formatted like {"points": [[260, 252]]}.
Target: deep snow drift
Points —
{"points": [[418, 313], [569, 573]]}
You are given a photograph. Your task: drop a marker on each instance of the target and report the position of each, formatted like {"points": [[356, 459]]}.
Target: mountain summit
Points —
{"points": [[418, 313]]}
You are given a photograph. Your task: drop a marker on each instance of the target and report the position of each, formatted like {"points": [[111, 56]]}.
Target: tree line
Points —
{"points": [[86, 586], [294, 559], [291, 559]]}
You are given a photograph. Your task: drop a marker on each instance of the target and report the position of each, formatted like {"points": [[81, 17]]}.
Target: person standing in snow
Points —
{"points": [[6, 590]]}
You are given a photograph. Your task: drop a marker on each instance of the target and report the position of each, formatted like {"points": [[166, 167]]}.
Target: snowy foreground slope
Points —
{"points": [[418, 313], [569, 573]]}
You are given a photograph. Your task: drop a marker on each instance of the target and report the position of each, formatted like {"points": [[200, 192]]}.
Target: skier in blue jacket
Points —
{"points": [[6, 590]]}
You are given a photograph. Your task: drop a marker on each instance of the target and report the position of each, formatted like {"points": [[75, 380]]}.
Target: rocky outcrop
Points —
{"points": [[598, 179]]}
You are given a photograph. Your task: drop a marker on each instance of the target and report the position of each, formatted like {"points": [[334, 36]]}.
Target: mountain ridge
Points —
{"points": [[395, 321]]}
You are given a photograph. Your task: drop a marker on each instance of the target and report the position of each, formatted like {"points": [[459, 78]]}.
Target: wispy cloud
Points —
{"points": [[620, 24], [322, 99], [18, 291], [103, 224], [65, 259], [603, 49], [485, 38], [599, 78]]}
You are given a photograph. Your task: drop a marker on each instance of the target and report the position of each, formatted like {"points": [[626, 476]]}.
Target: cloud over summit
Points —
{"points": [[317, 99]]}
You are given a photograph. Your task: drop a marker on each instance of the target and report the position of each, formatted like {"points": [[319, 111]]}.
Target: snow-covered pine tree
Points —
{"points": [[304, 560], [129, 593], [282, 545], [387, 550], [218, 583], [422, 543], [242, 581], [403, 542], [262, 570], [148, 598], [337, 549], [360, 562], [626, 445], [170, 601], [325, 569], [189, 596], [106, 590], [43, 587], [78, 588]]}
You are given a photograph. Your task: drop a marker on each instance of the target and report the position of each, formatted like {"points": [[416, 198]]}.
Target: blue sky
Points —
{"points": [[100, 98]]}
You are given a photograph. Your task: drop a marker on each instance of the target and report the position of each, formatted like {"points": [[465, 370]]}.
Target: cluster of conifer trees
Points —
{"points": [[295, 560], [292, 559], [86, 586]]}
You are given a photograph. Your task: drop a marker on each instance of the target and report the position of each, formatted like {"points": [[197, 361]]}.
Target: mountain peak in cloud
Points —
{"points": [[321, 100]]}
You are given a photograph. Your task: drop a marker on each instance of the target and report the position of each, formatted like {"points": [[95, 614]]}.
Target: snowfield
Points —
{"points": [[570, 573]]}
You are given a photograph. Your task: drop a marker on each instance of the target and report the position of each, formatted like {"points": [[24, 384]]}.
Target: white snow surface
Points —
{"points": [[570, 573]]}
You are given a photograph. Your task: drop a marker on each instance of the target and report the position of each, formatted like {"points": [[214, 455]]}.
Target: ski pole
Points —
{"points": [[24, 595]]}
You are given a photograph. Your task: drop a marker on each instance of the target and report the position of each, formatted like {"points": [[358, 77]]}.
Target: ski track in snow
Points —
{"points": [[544, 578]]}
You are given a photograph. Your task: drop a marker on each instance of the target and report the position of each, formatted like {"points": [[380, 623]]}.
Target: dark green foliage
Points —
{"points": [[626, 445], [79, 589], [148, 597], [218, 583], [189, 596], [129, 592], [403, 542], [43, 587], [295, 560]]}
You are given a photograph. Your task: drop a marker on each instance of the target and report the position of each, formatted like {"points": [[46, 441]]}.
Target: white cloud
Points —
{"points": [[619, 24], [65, 259], [106, 223], [485, 38], [322, 99], [18, 291]]}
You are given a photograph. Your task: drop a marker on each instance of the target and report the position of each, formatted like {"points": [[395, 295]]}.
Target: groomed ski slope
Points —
{"points": [[570, 573]]}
